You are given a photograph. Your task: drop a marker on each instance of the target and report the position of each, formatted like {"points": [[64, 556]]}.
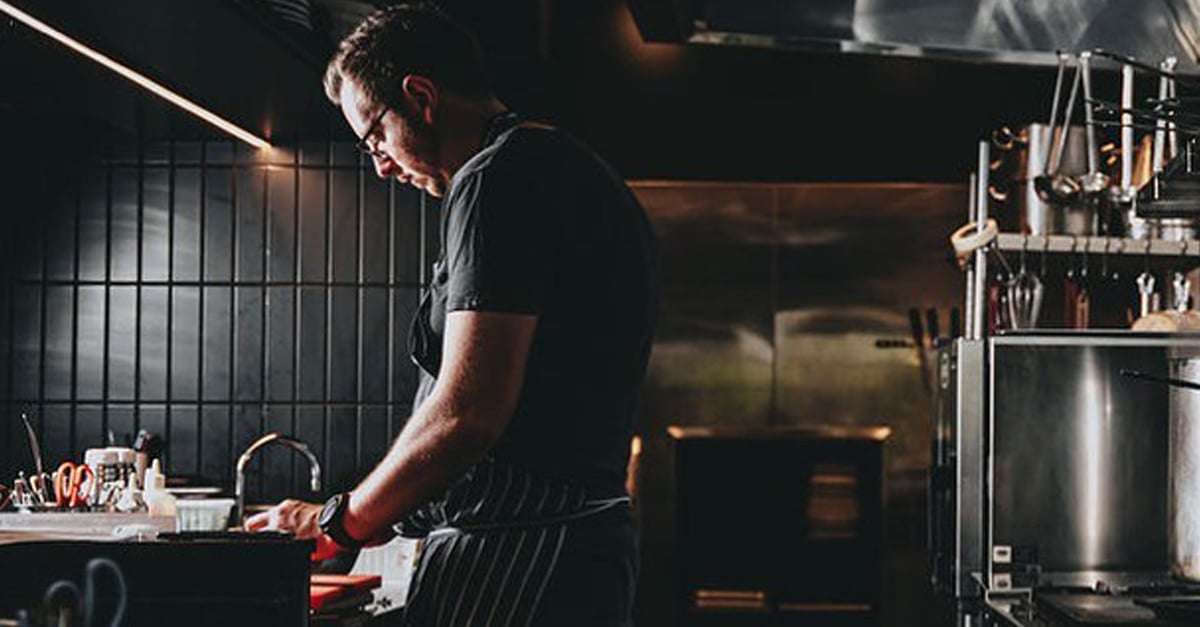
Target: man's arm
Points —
{"points": [[483, 369]]}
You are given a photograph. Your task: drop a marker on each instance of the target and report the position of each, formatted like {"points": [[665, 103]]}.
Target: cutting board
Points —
{"points": [[327, 590]]}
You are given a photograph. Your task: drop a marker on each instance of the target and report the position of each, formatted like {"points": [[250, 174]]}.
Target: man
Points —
{"points": [[532, 342]]}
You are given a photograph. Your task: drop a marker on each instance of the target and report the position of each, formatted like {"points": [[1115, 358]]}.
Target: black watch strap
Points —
{"points": [[332, 517]]}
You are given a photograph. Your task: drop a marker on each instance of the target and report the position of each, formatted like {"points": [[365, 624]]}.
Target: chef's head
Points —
{"points": [[394, 78]]}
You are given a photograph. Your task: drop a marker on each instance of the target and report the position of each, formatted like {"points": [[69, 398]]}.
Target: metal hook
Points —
{"points": [[1083, 259], [1045, 253], [1104, 260]]}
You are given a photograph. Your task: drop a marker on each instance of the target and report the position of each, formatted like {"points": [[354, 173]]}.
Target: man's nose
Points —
{"points": [[384, 167]]}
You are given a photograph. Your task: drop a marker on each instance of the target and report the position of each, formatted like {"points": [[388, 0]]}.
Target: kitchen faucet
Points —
{"points": [[314, 467]]}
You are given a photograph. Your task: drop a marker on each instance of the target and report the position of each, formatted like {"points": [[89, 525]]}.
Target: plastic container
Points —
{"points": [[203, 514]]}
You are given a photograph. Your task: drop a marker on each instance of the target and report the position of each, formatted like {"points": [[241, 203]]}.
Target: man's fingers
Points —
{"points": [[257, 521]]}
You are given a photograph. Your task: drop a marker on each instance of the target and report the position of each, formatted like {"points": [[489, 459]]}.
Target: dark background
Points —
{"points": [[158, 275]]}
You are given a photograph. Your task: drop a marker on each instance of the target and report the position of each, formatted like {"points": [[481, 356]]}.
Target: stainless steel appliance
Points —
{"points": [[1051, 477]]}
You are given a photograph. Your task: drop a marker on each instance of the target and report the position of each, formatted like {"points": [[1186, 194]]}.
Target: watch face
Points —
{"points": [[329, 511]]}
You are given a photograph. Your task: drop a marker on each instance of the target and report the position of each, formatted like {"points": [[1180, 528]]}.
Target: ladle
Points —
{"points": [[1094, 181], [1053, 187]]}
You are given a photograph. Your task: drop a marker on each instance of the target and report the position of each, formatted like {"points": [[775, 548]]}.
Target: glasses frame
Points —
{"points": [[363, 144]]}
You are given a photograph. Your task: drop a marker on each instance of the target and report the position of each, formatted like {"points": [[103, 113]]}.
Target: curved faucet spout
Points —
{"points": [[314, 467]]}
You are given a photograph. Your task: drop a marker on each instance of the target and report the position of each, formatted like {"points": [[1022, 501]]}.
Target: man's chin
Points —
{"points": [[433, 188]]}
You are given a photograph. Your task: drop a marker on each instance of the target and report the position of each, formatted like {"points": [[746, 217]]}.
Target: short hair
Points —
{"points": [[404, 39]]}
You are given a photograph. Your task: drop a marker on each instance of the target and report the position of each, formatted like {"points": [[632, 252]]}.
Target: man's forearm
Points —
{"points": [[437, 445], [475, 395]]}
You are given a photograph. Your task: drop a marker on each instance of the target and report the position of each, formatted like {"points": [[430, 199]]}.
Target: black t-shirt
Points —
{"points": [[536, 223]]}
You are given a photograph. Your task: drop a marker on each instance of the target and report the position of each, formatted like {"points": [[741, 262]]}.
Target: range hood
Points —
{"points": [[1008, 31], [223, 54]]}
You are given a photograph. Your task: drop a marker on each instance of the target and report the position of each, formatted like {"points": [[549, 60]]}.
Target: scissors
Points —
{"points": [[72, 483]]}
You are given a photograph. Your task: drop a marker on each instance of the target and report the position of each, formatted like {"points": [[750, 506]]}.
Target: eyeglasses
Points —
{"points": [[364, 144]]}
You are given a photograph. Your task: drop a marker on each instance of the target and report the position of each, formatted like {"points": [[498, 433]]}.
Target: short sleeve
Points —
{"points": [[498, 249]]}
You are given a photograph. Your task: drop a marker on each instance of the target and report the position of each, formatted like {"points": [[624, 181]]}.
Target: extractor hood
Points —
{"points": [[1009, 31]]}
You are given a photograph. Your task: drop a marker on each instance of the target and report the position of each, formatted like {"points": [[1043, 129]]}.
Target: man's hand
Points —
{"points": [[299, 519], [296, 517]]}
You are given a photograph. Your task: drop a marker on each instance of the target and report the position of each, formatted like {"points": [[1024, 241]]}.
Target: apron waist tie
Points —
{"points": [[589, 509]]}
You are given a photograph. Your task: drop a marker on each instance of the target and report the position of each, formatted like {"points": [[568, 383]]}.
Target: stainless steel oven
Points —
{"points": [[1049, 466]]}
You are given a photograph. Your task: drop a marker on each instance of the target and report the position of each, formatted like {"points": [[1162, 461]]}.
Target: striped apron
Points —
{"points": [[509, 547]]}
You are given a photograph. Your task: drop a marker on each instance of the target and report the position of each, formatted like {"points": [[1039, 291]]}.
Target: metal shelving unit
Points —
{"points": [[1097, 245]]}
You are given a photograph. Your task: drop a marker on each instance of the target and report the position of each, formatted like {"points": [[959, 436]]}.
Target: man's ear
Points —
{"points": [[423, 94]]}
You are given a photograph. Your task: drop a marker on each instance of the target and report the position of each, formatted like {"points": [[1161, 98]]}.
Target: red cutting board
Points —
{"points": [[320, 596], [349, 584]]}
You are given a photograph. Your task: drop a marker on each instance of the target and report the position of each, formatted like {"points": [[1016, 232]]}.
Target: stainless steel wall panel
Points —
{"points": [[713, 234], [714, 352]]}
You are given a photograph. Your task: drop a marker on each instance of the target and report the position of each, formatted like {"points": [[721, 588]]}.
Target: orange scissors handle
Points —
{"points": [[71, 484]]}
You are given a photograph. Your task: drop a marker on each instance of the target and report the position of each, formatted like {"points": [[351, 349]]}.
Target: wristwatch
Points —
{"points": [[331, 519]]}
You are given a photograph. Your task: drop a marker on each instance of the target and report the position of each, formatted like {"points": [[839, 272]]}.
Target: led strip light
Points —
{"points": [[136, 77]]}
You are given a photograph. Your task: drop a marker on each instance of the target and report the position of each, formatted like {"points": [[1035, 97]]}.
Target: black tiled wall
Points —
{"points": [[210, 293]]}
